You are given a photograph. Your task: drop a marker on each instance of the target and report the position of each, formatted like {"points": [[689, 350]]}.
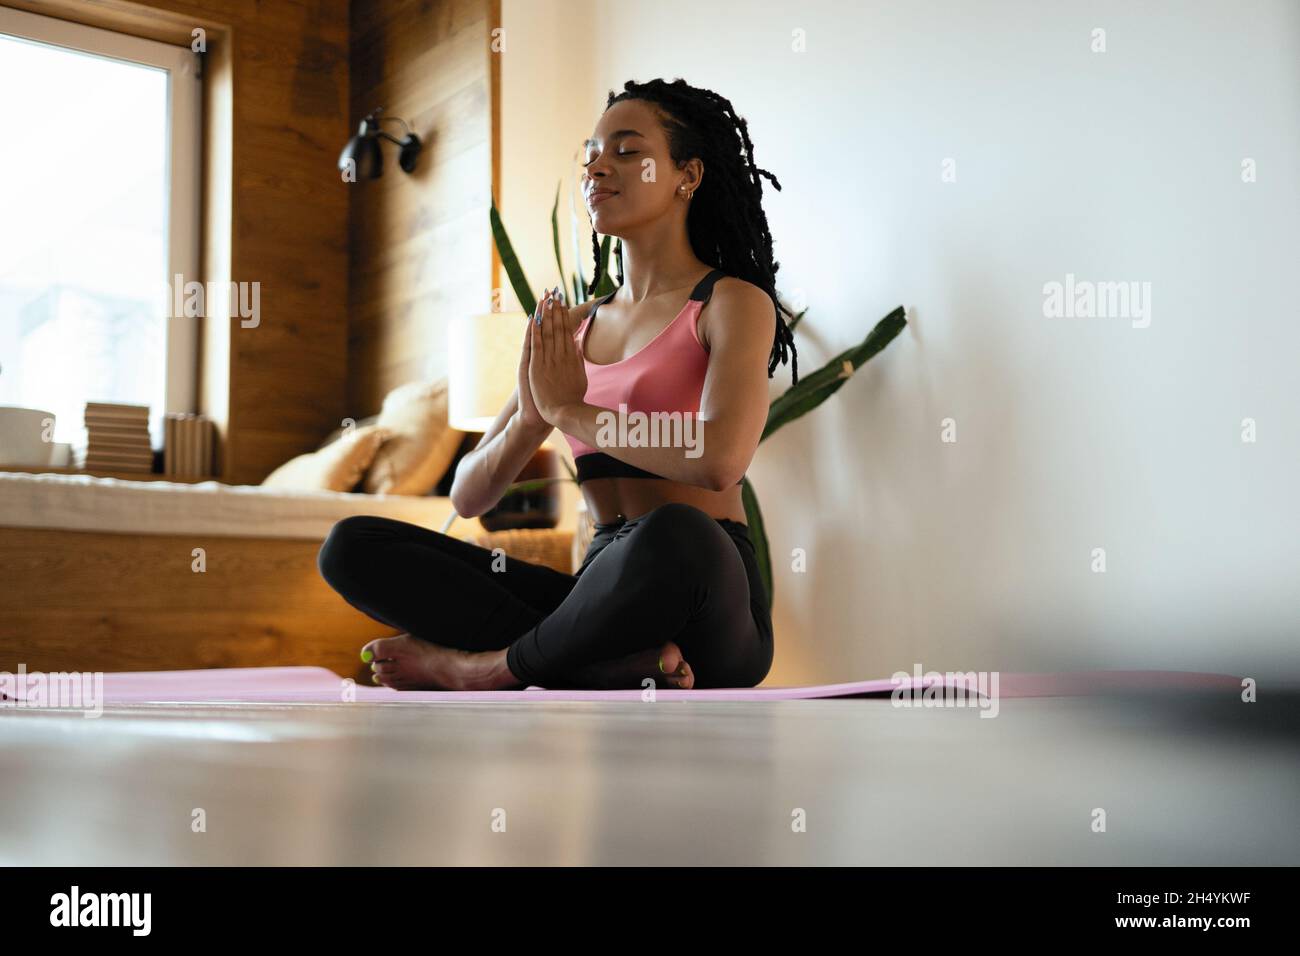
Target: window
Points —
{"points": [[98, 213]]}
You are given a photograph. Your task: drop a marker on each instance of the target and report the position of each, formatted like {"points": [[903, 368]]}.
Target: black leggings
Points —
{"points": [[673, 573]]}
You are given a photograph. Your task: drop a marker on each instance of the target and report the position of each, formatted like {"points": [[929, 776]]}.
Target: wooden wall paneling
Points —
{"points": [[420, 243]]}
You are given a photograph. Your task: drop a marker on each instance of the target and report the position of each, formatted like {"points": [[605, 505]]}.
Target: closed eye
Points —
{"points": [[630, 152]]}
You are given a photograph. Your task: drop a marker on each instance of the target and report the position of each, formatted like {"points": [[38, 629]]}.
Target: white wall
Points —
{"points": [[548, 107], [1072, 433]]}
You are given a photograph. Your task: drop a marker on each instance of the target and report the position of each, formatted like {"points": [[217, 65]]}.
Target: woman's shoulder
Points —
{"points": [[740, 295], [738, 289], [738, 300]]}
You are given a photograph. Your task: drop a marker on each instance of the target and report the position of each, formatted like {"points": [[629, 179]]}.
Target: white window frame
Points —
{"points": [[184, 133]]}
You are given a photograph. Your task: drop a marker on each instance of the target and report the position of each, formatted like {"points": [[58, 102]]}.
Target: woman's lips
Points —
{"points": [[597, 198]]}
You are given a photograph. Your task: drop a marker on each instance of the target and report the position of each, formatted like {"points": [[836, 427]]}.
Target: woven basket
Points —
{"points": [[550, 547]]}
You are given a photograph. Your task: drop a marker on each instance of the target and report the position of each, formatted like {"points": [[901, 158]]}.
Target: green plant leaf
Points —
{"points": [[758, 535], [532, 484], [555, 235], [606, 284], [580, 283], [795, 320], [814, 389], [510, 261]]}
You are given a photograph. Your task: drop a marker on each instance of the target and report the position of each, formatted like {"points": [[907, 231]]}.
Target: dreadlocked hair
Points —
{"points": [[725, 223]]}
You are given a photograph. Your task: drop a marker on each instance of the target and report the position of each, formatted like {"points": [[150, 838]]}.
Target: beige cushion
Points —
{"points": [[336, 467], [338, 433], [422, 445]]}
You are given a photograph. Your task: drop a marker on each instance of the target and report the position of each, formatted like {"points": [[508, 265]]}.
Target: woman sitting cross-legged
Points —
{"points": [[669, 589]]}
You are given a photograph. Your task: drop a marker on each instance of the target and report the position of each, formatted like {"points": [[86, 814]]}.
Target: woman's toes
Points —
{"points": [[390, 673], [670, 658], [677, 672], [388, 648], [682, 677], [404, 662], [378, 649]]}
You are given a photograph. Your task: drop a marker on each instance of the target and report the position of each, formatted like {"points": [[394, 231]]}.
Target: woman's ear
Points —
{"points": [[694, 170]]}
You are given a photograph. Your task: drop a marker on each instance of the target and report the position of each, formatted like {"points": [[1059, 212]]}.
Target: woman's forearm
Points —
{"points": [[691, 464], [483, 475]]}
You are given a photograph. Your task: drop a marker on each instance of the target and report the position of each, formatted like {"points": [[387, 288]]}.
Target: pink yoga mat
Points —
{"points": [[319, 685]]}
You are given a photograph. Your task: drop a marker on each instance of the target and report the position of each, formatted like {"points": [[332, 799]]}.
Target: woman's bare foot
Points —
{"points": [[408, 663], [666, 666]]}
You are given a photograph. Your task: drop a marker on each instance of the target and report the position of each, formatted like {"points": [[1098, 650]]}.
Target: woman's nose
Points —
{"points": [[595, 170]]}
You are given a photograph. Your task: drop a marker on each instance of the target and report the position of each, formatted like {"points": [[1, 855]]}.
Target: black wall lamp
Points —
{"points": [[362, 150]]}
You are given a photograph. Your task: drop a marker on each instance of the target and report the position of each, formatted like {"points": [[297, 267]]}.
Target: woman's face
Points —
{"points": [[627, 157]]}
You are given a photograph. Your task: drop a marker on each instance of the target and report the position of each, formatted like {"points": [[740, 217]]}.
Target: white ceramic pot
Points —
{"points": [[21, 441]]}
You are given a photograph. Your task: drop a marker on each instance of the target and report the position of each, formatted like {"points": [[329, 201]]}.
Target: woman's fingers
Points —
{"points": [[530, 329], [535, 351], [522, 384], [540, 343], [570, 329], [537, 355], [548, 326], [538, 331], [564, 328]]}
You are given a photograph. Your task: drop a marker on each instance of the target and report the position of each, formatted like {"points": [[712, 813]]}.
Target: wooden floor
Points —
{"points": [[1182, 781]]}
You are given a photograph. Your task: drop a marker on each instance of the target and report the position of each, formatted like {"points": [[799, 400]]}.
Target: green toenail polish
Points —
{"points": [[367, 655], [374, 678], [662, 669]]}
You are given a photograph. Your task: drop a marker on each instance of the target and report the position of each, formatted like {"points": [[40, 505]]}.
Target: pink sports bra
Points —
{"points": [[667, 375]]}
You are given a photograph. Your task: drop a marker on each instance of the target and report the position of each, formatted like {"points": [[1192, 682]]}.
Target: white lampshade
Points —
{"points": [[482, 366]]}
